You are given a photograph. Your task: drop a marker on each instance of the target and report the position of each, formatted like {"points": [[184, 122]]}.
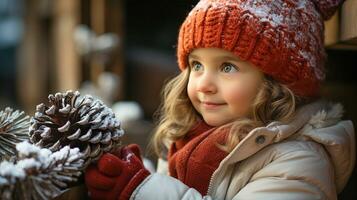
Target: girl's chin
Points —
{"points": [[215, 122]]}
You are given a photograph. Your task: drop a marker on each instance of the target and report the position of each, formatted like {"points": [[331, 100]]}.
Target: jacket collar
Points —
{"points": [[274, 132], [319, 122]]}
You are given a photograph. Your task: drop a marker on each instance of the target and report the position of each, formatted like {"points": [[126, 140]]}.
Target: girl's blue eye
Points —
{"points": [[229, 68], [196, 66]]}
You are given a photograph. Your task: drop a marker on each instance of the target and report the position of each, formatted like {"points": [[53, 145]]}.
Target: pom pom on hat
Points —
{"points": [[327, 7]]}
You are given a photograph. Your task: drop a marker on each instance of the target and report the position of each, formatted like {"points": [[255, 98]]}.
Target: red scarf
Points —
{"points": [[194, 158]]}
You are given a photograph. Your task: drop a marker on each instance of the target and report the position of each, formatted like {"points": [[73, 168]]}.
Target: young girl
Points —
{"points": [[244, 119]]}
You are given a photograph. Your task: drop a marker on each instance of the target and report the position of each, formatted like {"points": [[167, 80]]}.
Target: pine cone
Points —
{"points": [[14, 128], [82, 122], [38, 173]]}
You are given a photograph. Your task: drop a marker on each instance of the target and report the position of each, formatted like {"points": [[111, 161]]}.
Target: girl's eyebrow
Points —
{"points": [[193, 56], [231, 58]]}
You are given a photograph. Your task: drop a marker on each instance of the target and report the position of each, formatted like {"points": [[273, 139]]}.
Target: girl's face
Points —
{"points": [[221, 87]]}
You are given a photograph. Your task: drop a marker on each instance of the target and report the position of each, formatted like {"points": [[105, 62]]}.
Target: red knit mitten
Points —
{"points": [[116, 176]]}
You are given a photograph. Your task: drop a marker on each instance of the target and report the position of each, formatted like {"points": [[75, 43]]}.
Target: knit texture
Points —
{"points": [[193, 159], [283, 38]]}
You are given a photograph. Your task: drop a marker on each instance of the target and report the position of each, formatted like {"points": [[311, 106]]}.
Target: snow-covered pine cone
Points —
{"points": [[14, 127], [39, 174], [77, 121]]}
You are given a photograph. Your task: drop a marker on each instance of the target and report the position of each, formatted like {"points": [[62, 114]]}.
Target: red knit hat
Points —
{"points": [[284, 38]]}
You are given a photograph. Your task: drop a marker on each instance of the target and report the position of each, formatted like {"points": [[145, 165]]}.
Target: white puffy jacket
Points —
{"points": [[310, 158]]}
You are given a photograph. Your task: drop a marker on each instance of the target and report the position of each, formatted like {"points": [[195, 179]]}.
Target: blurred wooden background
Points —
{"points": [[49, 62]]}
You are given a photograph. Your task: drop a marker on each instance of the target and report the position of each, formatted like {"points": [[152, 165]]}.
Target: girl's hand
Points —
{"points": [[116, 176]]}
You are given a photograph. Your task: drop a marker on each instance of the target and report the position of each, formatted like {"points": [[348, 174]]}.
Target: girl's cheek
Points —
{"points": [[191, 90], [238, 94], [245, 91]]}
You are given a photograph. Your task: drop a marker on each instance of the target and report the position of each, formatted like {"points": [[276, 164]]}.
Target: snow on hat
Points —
{"points": [[283, 38]]}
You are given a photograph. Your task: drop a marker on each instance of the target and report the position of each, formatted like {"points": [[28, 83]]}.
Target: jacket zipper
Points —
{"points": [[214, 174], [210, 184]]}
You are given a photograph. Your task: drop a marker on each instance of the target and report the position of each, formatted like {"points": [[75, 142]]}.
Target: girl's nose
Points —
{"points": [[206, 83]]}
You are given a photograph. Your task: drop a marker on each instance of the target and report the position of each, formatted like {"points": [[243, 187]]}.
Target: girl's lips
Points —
{"points": [[211, 105]]}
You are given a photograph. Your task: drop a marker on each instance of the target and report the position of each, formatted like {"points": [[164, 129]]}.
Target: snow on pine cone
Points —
{"points": [[14, 127], [39, 174], [77, 121]]}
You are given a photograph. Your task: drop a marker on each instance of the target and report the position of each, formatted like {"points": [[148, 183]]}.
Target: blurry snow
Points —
{"points": [[127, 111]]}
